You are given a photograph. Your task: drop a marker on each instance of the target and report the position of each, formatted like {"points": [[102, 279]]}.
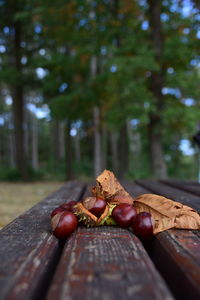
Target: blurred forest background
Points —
{"points": [[94, 84]]}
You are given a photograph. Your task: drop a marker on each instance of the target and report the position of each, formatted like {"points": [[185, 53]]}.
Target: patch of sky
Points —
{"points": [[42, 112], [186, 147], [171, 91], [164, 17], [73, 132], [6, 30], [186, 9], [42, 51], [188, 101], [134, 123], [170, 70], [113, 68], [103, 50], [195, 62], [143, 2], [38, 28], [75, 127], [2, 121], [83, 22], [78, 124], [145, 25], [198, 34], [8, 100], [186, 30], [24, 60], [41, 73], [63, 87], [2, 49]]}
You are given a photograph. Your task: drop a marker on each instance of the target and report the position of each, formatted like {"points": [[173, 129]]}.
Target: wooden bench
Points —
{"points": [[101, 262]]}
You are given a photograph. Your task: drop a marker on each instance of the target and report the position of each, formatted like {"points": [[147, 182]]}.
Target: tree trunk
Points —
{"points": [[61, 140], [123, 151], [134, 139], [34, 123], [156, 85], [27, 130], [12, 163], [68, 147], [97, 142], [56, 144], [114, 152], [104, 152], [77, 147], [96, 121], [18, 107]]}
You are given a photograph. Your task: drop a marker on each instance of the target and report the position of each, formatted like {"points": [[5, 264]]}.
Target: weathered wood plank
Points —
{"points": [[106, 263], [176, 253], [193, 188], [171, 192], [29, 251]]}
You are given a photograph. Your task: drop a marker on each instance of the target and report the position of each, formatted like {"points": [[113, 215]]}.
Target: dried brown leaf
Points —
{"points": [[109, 188], [166, 213]]}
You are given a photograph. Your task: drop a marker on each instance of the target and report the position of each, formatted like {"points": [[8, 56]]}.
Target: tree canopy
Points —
{"points": [[110, 83]]}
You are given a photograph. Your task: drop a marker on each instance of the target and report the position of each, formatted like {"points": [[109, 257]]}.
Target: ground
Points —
{"points": [[15, 198]]}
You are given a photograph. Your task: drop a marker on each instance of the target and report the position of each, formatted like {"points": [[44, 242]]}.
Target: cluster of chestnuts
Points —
{"points": [[64, 221]]}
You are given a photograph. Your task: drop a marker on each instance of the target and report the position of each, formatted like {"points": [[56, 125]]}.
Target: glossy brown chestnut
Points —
{"points": [[143, 226], [63, 207], [63, 224], [57, 210], [98, 207], [69, 205], [124, 214]]}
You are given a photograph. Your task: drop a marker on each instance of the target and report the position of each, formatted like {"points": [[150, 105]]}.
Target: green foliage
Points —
{"points": [[73, 33]]}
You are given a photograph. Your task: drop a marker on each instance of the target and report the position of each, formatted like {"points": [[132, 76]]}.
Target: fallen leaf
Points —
{"points": [[166, 213], [109, 188]]}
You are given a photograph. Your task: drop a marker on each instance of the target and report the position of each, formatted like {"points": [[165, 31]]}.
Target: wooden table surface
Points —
{"points": [[102, 262]]}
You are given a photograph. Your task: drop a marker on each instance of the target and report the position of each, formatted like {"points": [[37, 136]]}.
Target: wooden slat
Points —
{"points": [[29, 251], [176, 253], [171, 192], [193, 188], [106, 263]]}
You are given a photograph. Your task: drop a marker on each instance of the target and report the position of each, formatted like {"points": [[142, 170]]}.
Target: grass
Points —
{"points": [[16, 198]]}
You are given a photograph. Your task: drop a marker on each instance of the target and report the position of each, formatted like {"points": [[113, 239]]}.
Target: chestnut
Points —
{"points": [[63, 207], [124, 214], [142, 225], [57, 210], [63, 224], [69, 205], [98, 207]]}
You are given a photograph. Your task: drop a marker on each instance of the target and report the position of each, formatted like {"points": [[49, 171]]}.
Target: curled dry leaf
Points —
{"points": [[109, 188], [166, 213]]}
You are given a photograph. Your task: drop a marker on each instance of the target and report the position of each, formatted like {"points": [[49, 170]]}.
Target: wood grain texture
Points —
{"points": [[176, 253], [192, 188], [171, 193], [29, 251], [106, 263]]}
